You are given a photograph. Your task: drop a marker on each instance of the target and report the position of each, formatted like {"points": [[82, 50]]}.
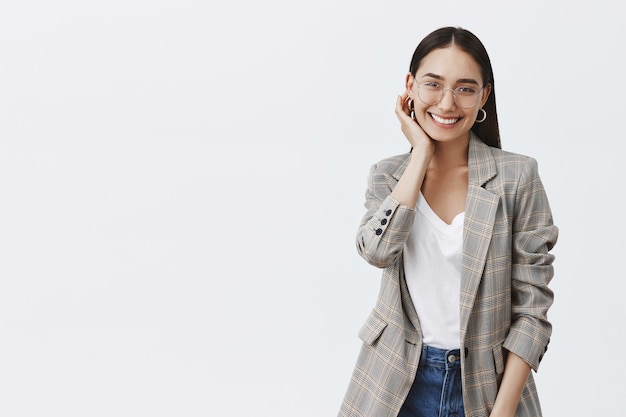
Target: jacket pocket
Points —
{"points": [[498, 358], [372, 328]]}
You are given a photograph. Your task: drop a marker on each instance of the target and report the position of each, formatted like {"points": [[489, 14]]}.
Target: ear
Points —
{"points": [[486, 92], [409, 83]]}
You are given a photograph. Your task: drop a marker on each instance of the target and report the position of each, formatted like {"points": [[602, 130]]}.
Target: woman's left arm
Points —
{"points": [[516, 372], [534, 235]]}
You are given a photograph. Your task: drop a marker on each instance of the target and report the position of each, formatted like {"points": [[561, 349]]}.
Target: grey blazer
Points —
{"points": [[506, 268]]}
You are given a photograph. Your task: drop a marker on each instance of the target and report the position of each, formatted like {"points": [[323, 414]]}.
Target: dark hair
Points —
{"points": [[488, 131]]}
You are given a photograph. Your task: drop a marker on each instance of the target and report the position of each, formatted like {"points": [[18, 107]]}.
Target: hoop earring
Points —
{"points": [[411, 108], [484, 116]]}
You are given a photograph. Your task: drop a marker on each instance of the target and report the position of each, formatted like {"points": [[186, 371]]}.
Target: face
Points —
{"points": [[449, 68]]}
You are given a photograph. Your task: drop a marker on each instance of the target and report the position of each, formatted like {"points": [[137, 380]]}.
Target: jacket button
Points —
{"points": [[383, 222], [379, 232], [388, 213], [540, 358], [466, 352]]}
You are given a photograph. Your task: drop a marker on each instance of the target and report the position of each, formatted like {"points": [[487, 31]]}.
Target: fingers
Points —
{"points": [[409, 126], [403, 112], [399, 106]]}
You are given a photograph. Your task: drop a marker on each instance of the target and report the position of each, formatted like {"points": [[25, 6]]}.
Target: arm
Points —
{"points": [[407, 190], [390, 213], [534, 235], [515, 375]]}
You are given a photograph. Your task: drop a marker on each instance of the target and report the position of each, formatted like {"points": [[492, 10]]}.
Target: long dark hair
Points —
{"points": [[488, 131]]}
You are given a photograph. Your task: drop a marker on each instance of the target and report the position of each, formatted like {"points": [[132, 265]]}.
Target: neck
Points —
{"points": [[449, 155]]}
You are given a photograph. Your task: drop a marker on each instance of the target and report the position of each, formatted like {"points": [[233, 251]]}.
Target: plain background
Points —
{"points": [[181, 183]]}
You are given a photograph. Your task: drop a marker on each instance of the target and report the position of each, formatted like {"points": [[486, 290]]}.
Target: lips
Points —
{"points": [[444, 120]]}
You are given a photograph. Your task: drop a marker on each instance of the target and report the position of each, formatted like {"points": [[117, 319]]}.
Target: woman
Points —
{"points": [[463, 231]]}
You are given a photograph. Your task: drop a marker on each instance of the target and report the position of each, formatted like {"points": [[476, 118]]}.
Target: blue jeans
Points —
{"points": [[437, 390]]}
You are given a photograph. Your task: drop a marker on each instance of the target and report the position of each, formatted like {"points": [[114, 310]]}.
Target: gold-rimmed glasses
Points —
{"points": [[464, 96]]}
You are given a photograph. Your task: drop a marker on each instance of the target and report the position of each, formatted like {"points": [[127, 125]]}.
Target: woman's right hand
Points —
{"points": [[410, 183], [411, 129]]}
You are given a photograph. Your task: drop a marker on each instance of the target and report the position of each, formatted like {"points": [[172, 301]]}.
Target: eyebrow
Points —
{"points": [[460, 80]]}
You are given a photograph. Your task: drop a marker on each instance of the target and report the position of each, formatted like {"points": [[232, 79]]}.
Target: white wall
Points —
{"points": [[181, 184]]}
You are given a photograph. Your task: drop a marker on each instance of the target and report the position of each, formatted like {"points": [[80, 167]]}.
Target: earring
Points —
{"points": [[484, 116], [411, 108]]}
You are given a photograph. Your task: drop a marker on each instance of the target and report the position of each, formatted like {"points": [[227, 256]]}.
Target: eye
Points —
{"points": [[431, 85], [466, 90]]}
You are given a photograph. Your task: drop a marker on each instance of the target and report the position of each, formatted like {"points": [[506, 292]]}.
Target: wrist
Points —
{"points": [[501, 412], [422, 152]]}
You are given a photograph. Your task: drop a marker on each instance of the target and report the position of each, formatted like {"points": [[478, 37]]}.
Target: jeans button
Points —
{"points": [[451, 358]]}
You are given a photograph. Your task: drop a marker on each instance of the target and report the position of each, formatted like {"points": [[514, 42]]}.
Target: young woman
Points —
{"points": [[462, 230]]}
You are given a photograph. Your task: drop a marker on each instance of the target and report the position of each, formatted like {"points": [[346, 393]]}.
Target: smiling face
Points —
{"points": [[452, 69]]}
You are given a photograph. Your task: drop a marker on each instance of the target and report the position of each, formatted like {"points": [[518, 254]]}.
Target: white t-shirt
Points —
{"points": [[432, 267]]}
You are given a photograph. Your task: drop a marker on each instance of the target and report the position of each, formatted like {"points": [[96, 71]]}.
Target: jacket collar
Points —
{"points": [[480, 160]]}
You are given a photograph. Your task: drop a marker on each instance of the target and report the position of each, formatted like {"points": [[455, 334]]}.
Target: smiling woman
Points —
{"points": [[462, 230]]}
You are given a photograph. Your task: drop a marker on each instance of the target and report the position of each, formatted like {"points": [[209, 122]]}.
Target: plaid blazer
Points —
{"points": [[506, 268]]}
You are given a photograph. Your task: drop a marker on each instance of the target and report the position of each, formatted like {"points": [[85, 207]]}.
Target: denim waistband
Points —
{"points": [[443, 358]]}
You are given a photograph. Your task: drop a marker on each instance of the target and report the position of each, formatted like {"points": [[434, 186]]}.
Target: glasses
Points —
{"points": [[465, 97]]}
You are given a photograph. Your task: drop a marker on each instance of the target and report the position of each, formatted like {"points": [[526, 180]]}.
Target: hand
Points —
{"points": [[497, 414], [410, 183], [411, 129]]}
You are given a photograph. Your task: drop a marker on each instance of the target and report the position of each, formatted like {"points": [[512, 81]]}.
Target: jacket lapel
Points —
{"points": [[480, 213]]}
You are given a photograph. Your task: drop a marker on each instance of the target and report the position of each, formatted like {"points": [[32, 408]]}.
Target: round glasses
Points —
{"points": [[465, 97]]}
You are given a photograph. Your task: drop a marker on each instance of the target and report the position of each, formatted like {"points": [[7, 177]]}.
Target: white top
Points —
{"points": [[432, 267]]}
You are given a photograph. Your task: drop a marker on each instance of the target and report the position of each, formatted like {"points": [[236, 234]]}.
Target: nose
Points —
{"points": [[447, 99]]}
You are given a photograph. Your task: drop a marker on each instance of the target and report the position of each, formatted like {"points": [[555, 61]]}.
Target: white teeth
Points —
{"points": [[444, 121]]}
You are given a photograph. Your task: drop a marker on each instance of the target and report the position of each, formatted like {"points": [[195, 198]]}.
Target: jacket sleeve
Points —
{"points": [[386, 224], [534, 235]]}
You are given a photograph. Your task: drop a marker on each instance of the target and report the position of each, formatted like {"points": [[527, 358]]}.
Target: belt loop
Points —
{"points": [[424, 355]]}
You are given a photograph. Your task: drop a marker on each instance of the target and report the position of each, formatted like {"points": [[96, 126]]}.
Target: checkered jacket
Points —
{"points": [[506, 268]]}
